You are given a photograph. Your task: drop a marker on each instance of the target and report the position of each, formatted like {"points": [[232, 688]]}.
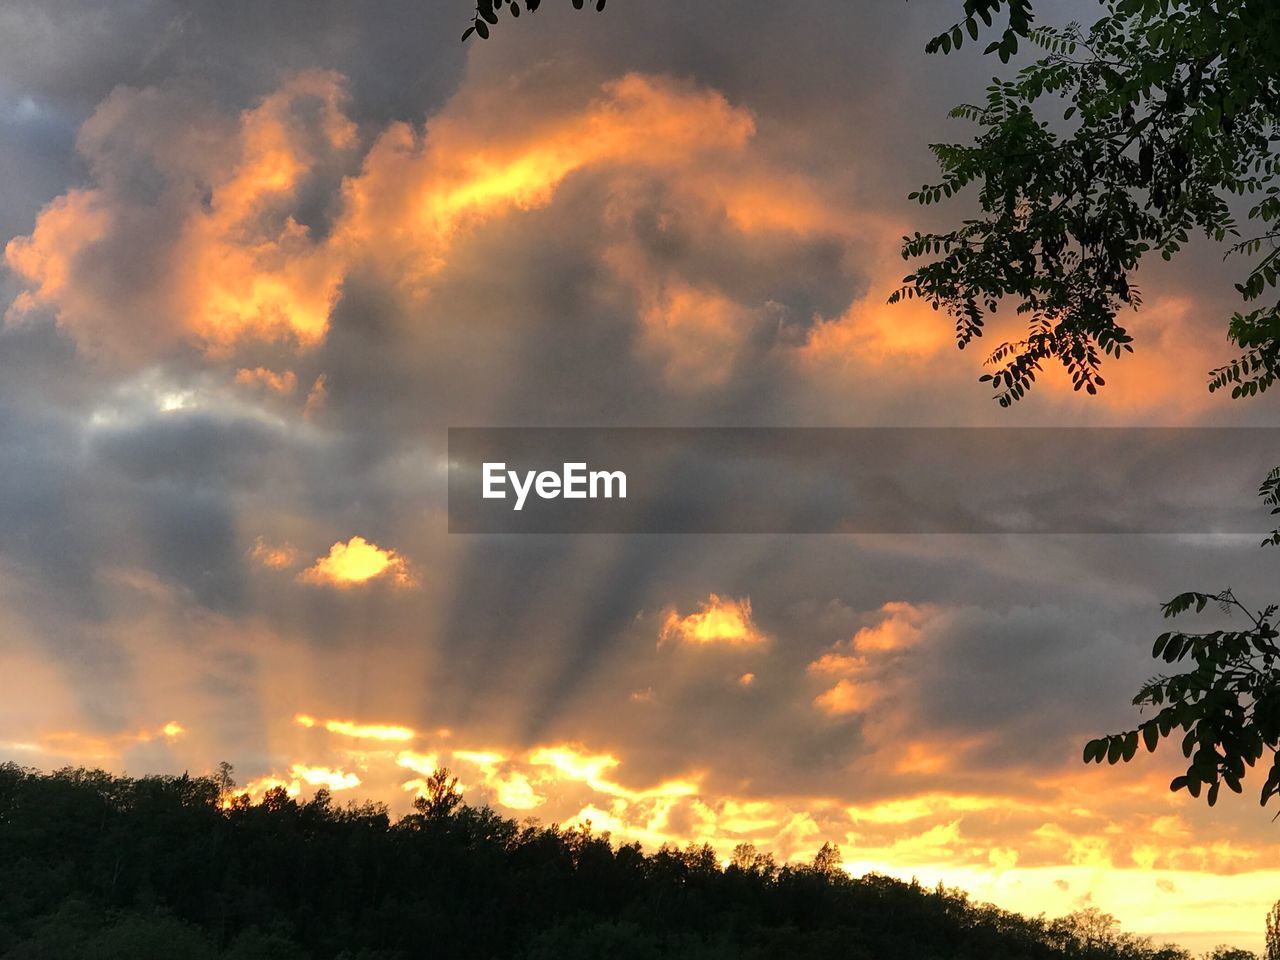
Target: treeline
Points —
{"points": [[102, 867]]}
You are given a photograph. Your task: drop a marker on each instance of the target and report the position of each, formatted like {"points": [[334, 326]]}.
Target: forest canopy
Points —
{"points": [[108, 867]]}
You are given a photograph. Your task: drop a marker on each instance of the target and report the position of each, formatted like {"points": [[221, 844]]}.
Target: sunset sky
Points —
{"points": [[258, 257]]}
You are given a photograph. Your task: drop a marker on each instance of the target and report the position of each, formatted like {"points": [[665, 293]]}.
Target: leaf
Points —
{"points": [[1130, 748], [1150, 736], [1115, 747]]}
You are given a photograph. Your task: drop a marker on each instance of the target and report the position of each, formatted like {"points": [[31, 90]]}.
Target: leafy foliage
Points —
{"points": [[1019, 19], [1171, 111], [1226, 705], [488, 12], [99, 867], [1270, 494]]}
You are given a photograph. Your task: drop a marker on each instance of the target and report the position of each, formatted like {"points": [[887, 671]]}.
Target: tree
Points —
{"points": [[224, 779], [319, 880], [1273, 933], [1171, 112], [1226, 705], [827, 861], [441, 796], [1224, 952]]}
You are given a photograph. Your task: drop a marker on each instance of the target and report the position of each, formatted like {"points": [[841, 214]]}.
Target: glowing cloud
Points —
{"points": [[861, 661], [415, 193], [423, 763], [232, 264], [692, 333], [84, 747], [329, 778], [325, 777], [281, 383], [358, 731], [273, 557], [845, 697], [316, 398], [357, 561], [717, 622]]}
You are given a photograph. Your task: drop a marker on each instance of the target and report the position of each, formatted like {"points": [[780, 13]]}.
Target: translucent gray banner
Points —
{"points": [[858, 480]]}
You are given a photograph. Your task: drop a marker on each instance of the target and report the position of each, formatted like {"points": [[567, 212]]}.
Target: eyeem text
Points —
{"points": [[573, 482]]}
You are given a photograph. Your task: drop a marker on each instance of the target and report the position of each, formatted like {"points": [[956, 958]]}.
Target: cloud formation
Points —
{"points": [[357, 561], [261, 258], [716, 622]]}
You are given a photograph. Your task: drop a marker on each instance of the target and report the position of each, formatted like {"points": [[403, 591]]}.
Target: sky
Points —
{"points": [[259, 257]]}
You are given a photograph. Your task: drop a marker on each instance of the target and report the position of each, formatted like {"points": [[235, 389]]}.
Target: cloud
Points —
{"points": [[214, 252], [359, 731], [284, 382], [233, 261], [301, 276], [357, 561], [846, 697], [273, 557], [717, 622], [861, 663], [415, 193], [316, 398], [80, 746], [328, 778]]}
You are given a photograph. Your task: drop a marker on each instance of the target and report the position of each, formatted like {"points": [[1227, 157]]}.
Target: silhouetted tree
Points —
{"points": [[1273, 933], [827, 861], [441, 797], [1224, 952], [1170, 111], [98, 867], [1225, 706], [224, 779]]}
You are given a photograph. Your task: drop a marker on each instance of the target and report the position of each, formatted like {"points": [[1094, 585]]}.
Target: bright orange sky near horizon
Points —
{"points": [[241, 310]]}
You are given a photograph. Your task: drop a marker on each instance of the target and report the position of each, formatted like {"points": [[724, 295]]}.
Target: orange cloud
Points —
{"points": [[273, 557], [282, 383], [359, 731], [316, 398], [84, 747], [46, 260], [235, 263], [693, 333], [874, 332], [575, 764], [860, 662], [845, 697], [416, 192], [357, 561], [325, 777], [329, 778], [899, 629], [716, 623]]}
